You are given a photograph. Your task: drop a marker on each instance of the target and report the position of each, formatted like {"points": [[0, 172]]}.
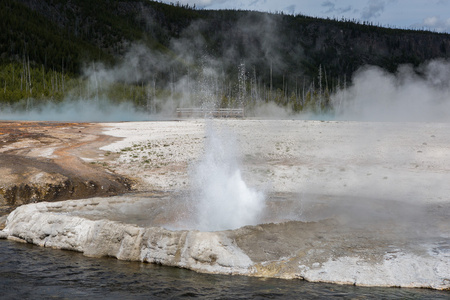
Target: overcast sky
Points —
{"points": [[419, 14]]}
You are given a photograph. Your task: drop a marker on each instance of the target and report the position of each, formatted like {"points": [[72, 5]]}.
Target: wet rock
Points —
{"points": [[201, 251], [3, 222], [74, 188], [343, 254]]}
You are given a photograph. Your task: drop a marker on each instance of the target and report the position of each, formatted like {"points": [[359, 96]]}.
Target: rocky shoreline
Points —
{"points": [[328, 250]]}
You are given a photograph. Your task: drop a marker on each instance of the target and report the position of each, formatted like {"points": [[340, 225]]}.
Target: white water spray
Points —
{"points": [[223, 200]]}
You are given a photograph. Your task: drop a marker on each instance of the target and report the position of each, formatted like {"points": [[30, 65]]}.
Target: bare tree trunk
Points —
{"points": [[29, 77], [62, 75], [271, 70], [43, 76]]}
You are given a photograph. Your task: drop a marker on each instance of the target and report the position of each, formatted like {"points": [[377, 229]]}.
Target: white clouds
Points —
{"points": [[332, 8], [419, 14], [373, 10], [257, 2], [431, 21], [436, 23], [330, 5], [290, 9]]}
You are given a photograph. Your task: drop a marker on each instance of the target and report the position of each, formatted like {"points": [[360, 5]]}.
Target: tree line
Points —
{"points": [[44, 47]]}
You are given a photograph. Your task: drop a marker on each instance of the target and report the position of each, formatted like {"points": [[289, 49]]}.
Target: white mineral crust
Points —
{"points": [[406, 270], [399, 164], [210, 252], [56, 225]]}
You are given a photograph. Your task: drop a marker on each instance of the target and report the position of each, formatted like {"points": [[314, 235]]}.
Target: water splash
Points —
{"points": [[223, 199]]}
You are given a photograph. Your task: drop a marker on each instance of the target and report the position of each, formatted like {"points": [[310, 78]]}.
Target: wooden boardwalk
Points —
{"points": [[216, 113]]}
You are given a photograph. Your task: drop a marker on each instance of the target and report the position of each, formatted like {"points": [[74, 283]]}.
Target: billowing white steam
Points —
{"points": [[78, 110], [411, 94], [222, 198]]}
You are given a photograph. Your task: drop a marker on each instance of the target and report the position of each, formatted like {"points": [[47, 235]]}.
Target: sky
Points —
{"points": [[405, 14]]}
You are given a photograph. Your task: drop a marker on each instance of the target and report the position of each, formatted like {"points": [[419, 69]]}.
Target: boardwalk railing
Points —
{"points": [[216, 113]]}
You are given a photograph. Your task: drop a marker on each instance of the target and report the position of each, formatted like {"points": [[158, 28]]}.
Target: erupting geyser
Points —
{"points": [[371, 213], [222, 198]]}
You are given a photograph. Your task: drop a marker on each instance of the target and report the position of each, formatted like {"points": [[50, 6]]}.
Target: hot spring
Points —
{"points": [[344, 202]]}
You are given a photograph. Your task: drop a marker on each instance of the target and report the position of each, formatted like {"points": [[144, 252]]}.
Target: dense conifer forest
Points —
{"points": [[145, 52]]}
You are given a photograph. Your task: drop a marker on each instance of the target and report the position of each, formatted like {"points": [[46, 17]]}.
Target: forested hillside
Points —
{"points": [[146, 50]]}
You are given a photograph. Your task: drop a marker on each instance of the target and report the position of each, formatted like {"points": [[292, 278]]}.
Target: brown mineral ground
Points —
{"points": [[52, 161]]}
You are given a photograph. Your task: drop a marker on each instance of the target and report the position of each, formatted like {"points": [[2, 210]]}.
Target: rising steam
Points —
{"points": [[222, 198], [190, 77], [411, 94]]}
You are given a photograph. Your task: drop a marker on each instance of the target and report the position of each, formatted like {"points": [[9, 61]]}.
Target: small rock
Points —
{"points": [[15, 239], [316, 265]]}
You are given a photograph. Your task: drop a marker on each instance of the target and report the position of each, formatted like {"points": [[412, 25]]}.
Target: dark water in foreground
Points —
{"points": [[31, 272]]}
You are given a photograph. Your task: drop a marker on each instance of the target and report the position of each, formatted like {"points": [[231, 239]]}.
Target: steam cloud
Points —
{"points": [[77, 110], [421, 94], [223, 200], [411, 94]]}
